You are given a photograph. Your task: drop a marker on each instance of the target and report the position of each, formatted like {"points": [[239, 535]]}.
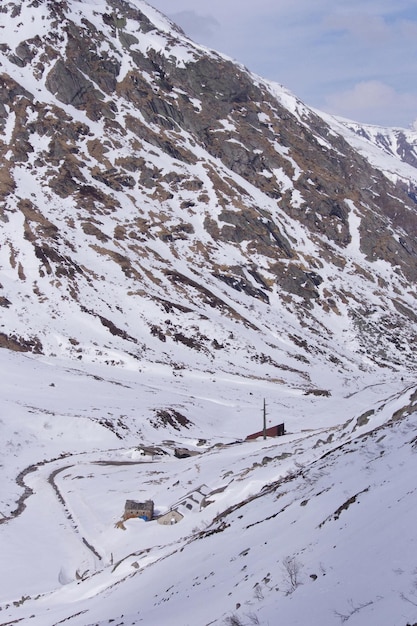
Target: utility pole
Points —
{"points": [[264, 419]]}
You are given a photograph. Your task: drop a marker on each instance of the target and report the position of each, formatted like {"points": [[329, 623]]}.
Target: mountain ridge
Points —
{"points": [[180, 185]]}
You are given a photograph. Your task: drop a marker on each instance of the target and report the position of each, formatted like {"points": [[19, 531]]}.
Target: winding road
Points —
{"points": [[28, 491]]}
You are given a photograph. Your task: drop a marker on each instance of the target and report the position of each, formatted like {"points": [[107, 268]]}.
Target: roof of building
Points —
{"points": [[134, 504]]}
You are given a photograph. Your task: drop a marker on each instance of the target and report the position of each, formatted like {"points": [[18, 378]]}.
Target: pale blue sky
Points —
{"points": [[354, 58]]}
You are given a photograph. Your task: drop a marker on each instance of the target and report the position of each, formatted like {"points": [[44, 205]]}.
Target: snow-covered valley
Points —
{"points": [[316, 526]]}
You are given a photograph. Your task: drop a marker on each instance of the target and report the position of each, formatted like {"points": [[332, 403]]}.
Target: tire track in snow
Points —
{"points": [[28, 491], [70, 517]]}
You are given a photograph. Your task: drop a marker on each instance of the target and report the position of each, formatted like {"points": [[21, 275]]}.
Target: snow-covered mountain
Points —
{"points": [[392, 150], [158, 199], [181, 239]]}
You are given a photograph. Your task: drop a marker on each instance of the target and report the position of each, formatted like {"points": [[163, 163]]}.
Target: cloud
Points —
{"points": [[408, 29], [372, 101], [370, 29]]}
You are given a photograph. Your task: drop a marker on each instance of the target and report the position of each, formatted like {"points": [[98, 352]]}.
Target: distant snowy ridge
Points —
{"points": [[392, 150]]}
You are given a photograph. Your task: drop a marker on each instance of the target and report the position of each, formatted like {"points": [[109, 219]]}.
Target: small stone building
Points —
{"points": [[142, 510], [170, 518], [192, 501]]}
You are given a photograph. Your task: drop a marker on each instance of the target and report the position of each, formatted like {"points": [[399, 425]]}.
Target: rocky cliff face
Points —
{"points": [[159, 202]]}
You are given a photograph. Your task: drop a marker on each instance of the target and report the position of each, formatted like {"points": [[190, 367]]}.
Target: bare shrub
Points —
{"points": [[353, 610], [258, 592], [292, 569], [233, 620]]}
